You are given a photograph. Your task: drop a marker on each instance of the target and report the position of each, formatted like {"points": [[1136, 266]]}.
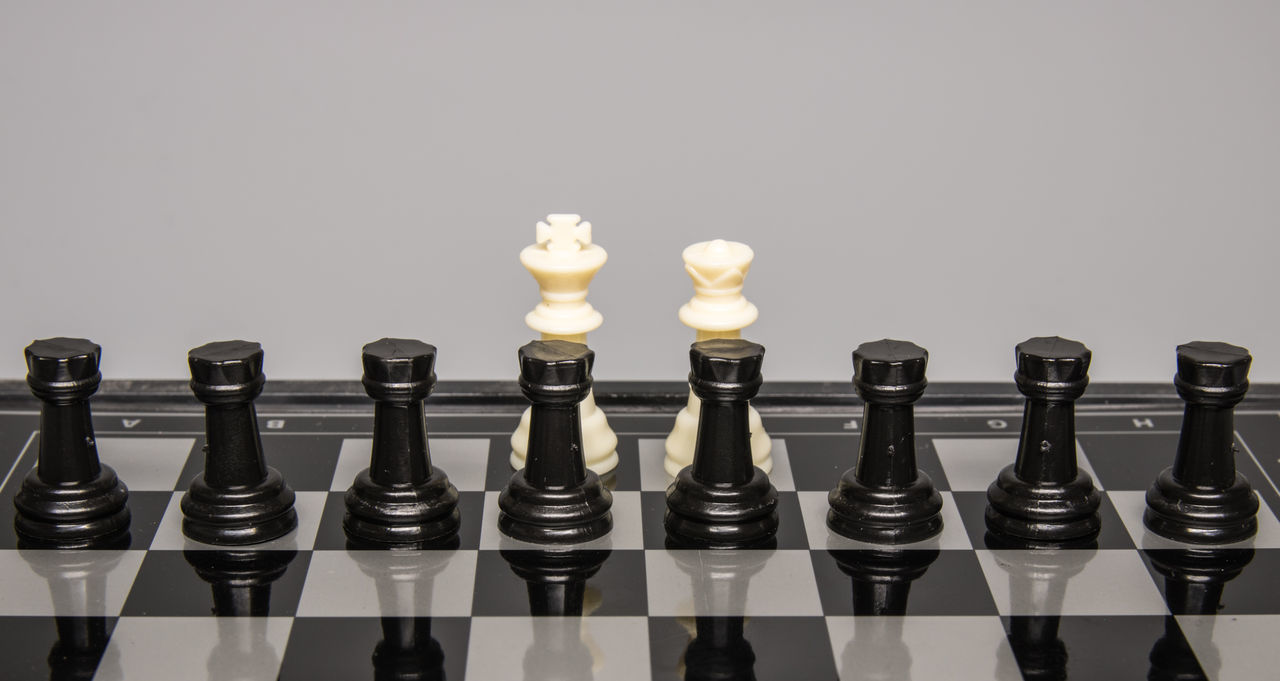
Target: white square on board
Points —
{"points": [[971, 464]]}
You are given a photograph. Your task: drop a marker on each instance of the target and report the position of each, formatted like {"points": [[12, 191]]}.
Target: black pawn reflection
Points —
{"points": [[557, 587], [1194, 580], [403, 579], [78, 589], [881, 583], [720, 580], [1038, 578], [241, 583]]}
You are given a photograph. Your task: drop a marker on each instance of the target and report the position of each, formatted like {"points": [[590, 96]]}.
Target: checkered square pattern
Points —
{"points": [[818, 606]]}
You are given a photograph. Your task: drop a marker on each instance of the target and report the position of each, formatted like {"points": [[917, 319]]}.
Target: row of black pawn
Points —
{"points": [[721, 500]]}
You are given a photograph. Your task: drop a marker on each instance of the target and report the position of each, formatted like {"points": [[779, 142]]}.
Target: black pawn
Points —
{"points": [[70, 499], [400, 499], [1202, 499], [238, 499], [555, 498], [885, 499], [722, 499], [1044, 496]]}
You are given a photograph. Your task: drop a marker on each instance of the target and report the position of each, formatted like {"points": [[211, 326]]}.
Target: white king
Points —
{"points": [[564, 261], [717, 310]]}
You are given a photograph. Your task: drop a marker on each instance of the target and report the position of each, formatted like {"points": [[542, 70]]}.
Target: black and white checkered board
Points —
{"points": [[320, 611]]}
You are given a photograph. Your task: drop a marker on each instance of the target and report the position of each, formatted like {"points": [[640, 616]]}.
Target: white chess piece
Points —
{"points": [[717, 310], [563, 261]]}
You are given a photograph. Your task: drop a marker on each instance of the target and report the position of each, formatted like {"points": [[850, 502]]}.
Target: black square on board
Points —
{"points": [[616, 588], [1101, 647], [1190, 580], [925, 582], [376, 648], [741, 648], [226, 583], [39, 648]]}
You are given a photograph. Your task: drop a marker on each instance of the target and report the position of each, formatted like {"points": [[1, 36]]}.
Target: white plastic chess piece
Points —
{"points": [[563, 261], [717, 310]]}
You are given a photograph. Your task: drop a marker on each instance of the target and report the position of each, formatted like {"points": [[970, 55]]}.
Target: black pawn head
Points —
{"points": [[726, 369], [399, 369], [890, 371], [555, 371], [226, 371], [1212, 373], [63, 369], [1052, 368]]}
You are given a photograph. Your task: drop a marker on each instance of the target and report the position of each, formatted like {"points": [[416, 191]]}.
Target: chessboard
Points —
{"points": [[817, 606]]}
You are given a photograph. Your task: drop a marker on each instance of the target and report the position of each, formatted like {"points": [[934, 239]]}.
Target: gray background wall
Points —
{"points": [[315, 175]]}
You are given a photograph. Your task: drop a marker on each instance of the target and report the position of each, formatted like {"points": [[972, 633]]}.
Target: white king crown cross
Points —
{"points": [[564, 234]]}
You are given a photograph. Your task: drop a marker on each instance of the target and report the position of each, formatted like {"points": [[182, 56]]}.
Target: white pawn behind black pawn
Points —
{"points": [[238, 499], [70, 499], [1044, 496], [555, 498], [400, 499], [1201, 499], [884, 498], [722, 500]]}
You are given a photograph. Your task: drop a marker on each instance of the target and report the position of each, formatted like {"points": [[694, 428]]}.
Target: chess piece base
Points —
{"points": [[1043, 513], [401, 514], [599, 443], [72, 516], [1201, 516], [885, 516], [684, 436], [555, 516], [721, 517], [241, 515]]}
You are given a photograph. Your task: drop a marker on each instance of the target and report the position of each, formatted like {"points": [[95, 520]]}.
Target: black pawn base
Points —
{"points": [[1201, 516], [708, 516], [572, 515], [239, 516], [1048, 514], [82, 515], [408, 516], [885, 515]]}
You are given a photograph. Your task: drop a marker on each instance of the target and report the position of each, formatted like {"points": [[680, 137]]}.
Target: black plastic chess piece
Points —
{"points": [[400, 499], [1201, 499], [70, 499], [722, 499], [238, 499], [1044, 496], [884, 498], [555, 498], [1194, 580]]}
